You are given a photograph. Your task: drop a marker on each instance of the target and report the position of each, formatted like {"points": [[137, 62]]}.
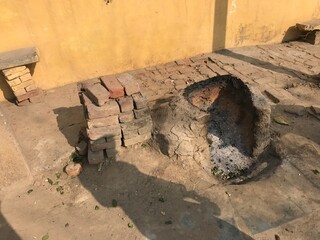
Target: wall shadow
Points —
{"points": [[5, 88], [220, 25], [159, 209], [70, 120], [6, 231]]}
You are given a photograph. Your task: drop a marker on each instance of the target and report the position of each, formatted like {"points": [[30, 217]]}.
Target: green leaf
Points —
{"points": [[96, 207], [49, 181], [130, 225], [281, 120], [168, 222], [58, 175], [66, 225], [45, 237], [114, 203], [30, 191], [161, 199]]}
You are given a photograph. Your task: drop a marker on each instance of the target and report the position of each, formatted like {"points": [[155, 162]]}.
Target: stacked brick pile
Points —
{"points": [[116, 113], [21, 83]]}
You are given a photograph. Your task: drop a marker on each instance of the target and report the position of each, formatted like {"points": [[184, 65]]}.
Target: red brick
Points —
{"points": [[98, 94], [130, 85], [137, 123], [87, 83], [103, 132], [113, 85], [102, 144], [10, 71], [126, 104], [103, 122], [85, 100], [109, 109], [139, 101], [17, 74], [136, 140], [140, 113], [126, 117], [95, 157], [28, 95], [145, 130], [127, 134], [25, 77]]}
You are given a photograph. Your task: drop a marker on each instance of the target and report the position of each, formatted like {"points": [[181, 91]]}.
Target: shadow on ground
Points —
{"points": [[158, 208], [6, 231], [70, 121]]}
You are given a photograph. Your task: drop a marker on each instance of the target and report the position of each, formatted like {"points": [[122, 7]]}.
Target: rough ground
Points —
{"points": [[158, 197]]}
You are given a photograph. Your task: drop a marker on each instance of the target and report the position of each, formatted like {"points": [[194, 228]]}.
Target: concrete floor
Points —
{"points": [[37, 140]]}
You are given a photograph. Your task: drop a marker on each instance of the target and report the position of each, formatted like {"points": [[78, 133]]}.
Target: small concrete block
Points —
{"points": [[140, 113], [130, 85], [113, 85], [126, 104], [82, 148], [17, 74], [103, 122], [30, 94], [126, 117], [126, 134], [95, 157], [25, 77], [18, 57], [98, 94], [10, 71], [136, 140], [103, 132], [316, 109], [109, 109], [139, 101]]}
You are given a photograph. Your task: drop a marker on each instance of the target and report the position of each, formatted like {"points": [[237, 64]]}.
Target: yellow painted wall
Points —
{"points": [[81, 39], [252, 22]]}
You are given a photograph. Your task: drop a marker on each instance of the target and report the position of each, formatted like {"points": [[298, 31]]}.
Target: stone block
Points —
{"points": [[126, 117], [109, 109], [98, 94], [85, 100], [139, 101], [19, 92], [103, 122], [137, 123], [111, 153], [136, 140], [125, 103], [95, 157], [140, 113], [103, 132], [113, 85], [25, 77], [130, 85]]}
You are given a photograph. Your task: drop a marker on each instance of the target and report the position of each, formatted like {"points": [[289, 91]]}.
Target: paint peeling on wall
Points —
{"points": [[233, 7]]}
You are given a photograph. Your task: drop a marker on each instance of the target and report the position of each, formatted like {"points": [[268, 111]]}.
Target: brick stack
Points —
{"points": [[21, 83], [116, 113]]}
